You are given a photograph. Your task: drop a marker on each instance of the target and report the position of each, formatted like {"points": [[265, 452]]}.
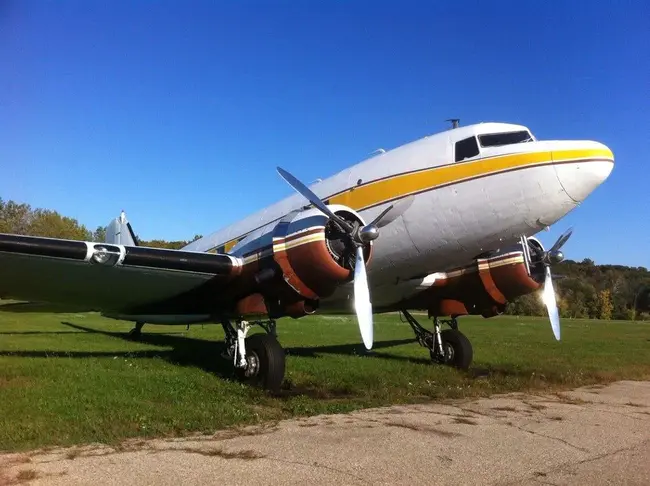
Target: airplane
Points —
{"points": [[444, 224]]}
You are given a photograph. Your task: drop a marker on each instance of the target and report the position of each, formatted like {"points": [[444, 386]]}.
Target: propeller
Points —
{"points": [[553, 255], [359, 236], [392, 212], [548, 296], [313, 198], [362, 304]]}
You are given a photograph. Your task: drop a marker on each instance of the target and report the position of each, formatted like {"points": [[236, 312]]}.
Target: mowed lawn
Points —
{"points": [[75, 378]]}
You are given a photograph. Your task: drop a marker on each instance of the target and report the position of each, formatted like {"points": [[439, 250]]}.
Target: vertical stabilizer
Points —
{"points": [[119, 232]]}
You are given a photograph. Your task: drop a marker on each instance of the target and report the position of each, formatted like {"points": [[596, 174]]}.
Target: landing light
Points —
{"points": [[101, 256], [104, 256]]}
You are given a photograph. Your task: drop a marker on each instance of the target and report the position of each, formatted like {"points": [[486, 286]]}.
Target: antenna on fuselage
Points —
{"points": [[454, 122]]}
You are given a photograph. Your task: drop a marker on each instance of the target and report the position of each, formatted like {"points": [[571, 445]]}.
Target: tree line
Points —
{"points": [[586, 290], [583, 289], [22, 219]]}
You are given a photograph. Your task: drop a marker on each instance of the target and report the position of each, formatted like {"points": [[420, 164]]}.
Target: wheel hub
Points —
{"points": [[252, 364], [449, 352]]}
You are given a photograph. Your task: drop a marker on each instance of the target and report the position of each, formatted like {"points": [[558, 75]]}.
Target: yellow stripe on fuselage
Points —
{"points": [[228, 246], [399, 185]]}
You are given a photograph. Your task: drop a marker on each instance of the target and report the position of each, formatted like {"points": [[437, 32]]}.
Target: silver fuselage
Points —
{"points": [[461, 209]]}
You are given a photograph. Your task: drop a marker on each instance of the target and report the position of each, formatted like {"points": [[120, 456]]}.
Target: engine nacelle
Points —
{"points": [[293, 263], [313, 252], [484, 287]]}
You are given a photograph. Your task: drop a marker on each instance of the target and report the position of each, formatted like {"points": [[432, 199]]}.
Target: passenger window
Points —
{"points": [[466, 148]]}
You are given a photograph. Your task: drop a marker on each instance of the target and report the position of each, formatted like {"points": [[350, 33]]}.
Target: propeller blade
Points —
{"points": [[362, 304], [548, 296], [561, 240], [392, 212], [307, 193]]}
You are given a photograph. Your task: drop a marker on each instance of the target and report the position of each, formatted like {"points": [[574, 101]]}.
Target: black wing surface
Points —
{"points": [[91, 276]]}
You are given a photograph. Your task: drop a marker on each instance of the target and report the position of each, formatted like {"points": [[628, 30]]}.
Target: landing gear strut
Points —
{"points": [[259, 359], [136, 333], [450, 347]]}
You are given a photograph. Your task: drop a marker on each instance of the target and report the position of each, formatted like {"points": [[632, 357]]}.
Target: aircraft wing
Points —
{"points": [[112, 278]]}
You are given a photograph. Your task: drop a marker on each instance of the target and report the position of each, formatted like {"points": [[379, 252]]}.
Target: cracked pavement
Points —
{"points": [[592, 435]]}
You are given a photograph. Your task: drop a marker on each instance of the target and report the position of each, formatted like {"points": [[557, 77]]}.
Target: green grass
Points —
{"points": [[74, 378]]}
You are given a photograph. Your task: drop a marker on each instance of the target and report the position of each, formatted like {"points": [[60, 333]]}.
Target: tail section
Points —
{"points": [[119, 232]]}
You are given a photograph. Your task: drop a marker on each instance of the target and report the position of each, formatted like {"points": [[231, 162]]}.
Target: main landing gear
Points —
{"points": [[259, 359], [450, 347]]}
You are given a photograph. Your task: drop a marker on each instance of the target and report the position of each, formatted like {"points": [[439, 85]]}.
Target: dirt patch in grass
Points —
{"points": [[423, 428], [504, 409], [632, 404], [26, 475], [15, 382], [563, 398], [536, 406], [465, 420], [245, 455]]}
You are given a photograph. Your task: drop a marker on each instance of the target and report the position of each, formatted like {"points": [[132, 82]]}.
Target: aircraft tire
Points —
{"points": [[271, 358], [461, 354]]}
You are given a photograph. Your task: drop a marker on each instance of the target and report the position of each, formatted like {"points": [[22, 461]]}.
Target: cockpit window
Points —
{"points": [[466, 148], [507, 138]]}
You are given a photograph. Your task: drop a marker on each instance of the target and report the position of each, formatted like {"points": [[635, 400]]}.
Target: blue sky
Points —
{"points": [[179, 112]]}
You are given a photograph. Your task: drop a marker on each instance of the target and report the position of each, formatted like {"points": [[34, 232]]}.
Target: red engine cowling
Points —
{"points": [[482, 288], [301, 259]]}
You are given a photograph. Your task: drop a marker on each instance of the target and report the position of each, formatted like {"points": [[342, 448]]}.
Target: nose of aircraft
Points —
{"points": [[582, 166]]}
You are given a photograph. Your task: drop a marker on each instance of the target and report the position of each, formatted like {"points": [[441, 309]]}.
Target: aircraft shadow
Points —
{"points": [[45, 333], [189, 347], [184, 351], [357, 349], [27, 307], [83, 354], [187, 351]]}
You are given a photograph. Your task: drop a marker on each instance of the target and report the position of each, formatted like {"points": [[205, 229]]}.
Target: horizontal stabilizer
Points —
{"points": [[119, 232]]}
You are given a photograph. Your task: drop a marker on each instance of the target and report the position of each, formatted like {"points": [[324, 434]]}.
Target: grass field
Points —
{"points": [[74, 378]]}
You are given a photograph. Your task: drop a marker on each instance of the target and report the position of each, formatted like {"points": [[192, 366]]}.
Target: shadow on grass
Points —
{"points": [[356, 349], [189, 347], [40, 307], [206, 355], [45, 333], [181, 350]]}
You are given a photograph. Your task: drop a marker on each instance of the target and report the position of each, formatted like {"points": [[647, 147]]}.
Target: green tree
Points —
{"points": [[99, 234], [605, 305], [641, 302], [15, 218], [21, 219], [579, 293], [527, 305], [172, 245]]}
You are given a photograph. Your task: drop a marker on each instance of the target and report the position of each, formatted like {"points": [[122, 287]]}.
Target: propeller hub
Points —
{"points": [[368, 233], [552, 257]]}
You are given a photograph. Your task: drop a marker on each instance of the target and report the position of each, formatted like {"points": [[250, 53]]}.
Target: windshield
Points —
{"points": [[506, 138]]}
